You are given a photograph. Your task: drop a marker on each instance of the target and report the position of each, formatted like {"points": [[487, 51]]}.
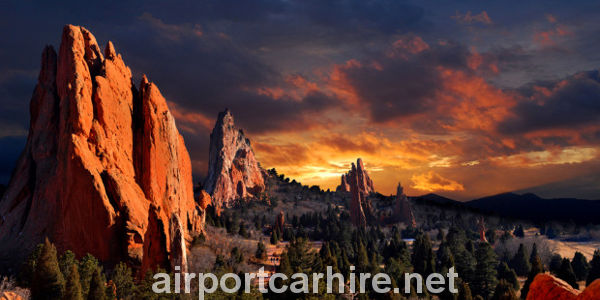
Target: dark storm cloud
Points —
{"points": [[403, 87], [10, 150], [569, 103]]}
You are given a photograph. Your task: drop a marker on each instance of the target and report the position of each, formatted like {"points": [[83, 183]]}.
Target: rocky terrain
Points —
{"points": [[233, 171], [548, 287], [105, 170]]}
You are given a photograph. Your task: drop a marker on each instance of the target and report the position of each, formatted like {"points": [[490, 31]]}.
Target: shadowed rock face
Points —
{"points": [[233, 172], [402, 209], [104, 170], [546, 287]]}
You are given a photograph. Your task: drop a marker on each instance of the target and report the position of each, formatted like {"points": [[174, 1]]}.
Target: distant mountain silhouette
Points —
{"points": [[531, 207], [437, 199]]}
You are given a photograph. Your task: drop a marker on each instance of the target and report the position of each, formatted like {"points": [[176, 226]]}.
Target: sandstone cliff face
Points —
{"points": [[548, 287], [365, 184], [233, 172], [402, 209], [104, 170]]}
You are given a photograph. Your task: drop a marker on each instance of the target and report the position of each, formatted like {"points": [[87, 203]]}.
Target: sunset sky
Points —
{"points": [[461, 98]]}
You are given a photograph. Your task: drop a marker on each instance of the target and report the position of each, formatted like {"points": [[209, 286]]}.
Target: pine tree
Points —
{"points": [[464, 292], [243, 231], [485, 277], [509, 275], [567, 274], [534, 254], [27, 271], [555, 263], [504, 291], [73, 286], [65, 261], [274, 238], [594, 272], [422, 257], [261, 250], [87, 267], [519, 232], [536, 268], [362, 258], [97, 286], [581, 267], [520, 263], [123, 280], [48, 281]]}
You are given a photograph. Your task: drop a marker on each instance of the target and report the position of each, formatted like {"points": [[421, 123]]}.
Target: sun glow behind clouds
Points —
{"points": [[569, 155]]}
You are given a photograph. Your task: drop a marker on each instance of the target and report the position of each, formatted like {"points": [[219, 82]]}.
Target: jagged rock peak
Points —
{"points": [[357, 202], [104, 170], [403, 210], [365, 184], [233, 171]]}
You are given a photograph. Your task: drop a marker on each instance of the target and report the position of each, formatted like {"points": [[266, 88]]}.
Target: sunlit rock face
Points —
{"points": [[233, 172], [365, 184], [546, 286], [105, 170]]}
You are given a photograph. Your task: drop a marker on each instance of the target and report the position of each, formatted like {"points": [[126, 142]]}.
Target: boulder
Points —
{"points": [[548, 287]]}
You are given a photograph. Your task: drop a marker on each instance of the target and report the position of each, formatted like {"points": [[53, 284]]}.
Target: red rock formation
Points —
{"points": [[365, 184], [204, 200], [548, 287], [481, 228], [9, 295], [104, 170], [591, 292], [357, 213], [233, 172], [280, 221], [402, 209]]}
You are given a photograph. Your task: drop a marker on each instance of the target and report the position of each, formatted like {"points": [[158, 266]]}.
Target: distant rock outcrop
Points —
{"points": [[365, 184], [280, 221], [357, 212], [105, 170], [233, 172], [548, 287], [402, 209]]}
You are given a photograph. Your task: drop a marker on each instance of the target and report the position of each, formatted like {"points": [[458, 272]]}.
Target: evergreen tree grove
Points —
{"points": [[485, 277], [73, 286], [567, 274], [581, 267], [536, 268], [97, 286], [123, 280], [422, 258], [520, 263], [48, 281]]}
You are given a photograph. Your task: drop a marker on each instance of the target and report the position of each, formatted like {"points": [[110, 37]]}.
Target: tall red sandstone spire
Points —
{"points": [[402, 209], [233, 172], [104, 170], [365, 184], [357, 213]]}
